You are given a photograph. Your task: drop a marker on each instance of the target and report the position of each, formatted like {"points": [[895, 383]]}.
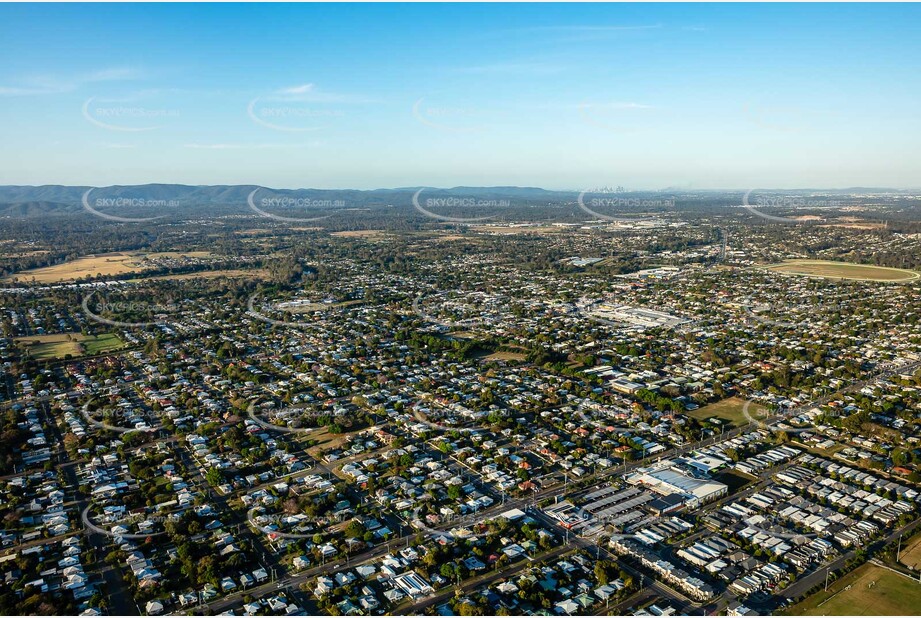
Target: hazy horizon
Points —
{"points": [[556, 96], [626, 189]]}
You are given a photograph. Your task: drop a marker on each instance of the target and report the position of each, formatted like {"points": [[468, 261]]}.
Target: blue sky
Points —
{"points": [[559, 96]]}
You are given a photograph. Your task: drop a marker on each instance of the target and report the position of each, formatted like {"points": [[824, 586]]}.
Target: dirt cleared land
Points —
{"points": [[843, 270], [209, 274], [102, 264], [50, 347], [489, 229], [359, 234], [729, 410], [855, 223], [857, 226], [448, 238], [856, 594]]}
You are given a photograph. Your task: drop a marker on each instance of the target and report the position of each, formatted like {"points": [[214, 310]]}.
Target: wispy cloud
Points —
{"points": [[577, 32], [595, 105], [16, 91], [114, 74], [616, 105], [588, 28], [236, 146], [310, 93], [56, 84], [302, 89], [514, 68]]}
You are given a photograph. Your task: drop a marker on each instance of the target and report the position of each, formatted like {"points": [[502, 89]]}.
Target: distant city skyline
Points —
{"points": [[561, 97]]}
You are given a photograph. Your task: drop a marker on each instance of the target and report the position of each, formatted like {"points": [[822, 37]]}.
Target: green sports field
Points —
{"points": [[867, 591]]}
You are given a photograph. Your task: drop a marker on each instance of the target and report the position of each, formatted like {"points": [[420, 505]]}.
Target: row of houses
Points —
{"points": [[666, 570], [867, 479], [764, 577], [755, 464], [861, 503]]}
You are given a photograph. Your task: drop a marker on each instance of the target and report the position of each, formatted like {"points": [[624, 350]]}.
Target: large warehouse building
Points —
{"points": [[666, 481]]}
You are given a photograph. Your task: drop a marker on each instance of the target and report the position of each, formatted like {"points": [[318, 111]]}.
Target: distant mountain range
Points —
{"points": [[223, 194], [44, 200], [25, 201]]}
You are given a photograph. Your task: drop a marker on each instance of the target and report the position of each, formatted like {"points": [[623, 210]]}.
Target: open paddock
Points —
{"points": [[843, 270], [104, 264]]}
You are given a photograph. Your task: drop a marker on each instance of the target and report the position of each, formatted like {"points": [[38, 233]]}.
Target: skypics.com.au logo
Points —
{"points": [[762, 413], [757, 201], [459, 116], [259, 311], [455, 309], [291, 417], [138, 419], [290, 204], [603, 203], [290, 118], [101, 206], [457, 205], [279, 525], [114, 116], [300, 109], [120, 534], [126, 312], [618, 117]]}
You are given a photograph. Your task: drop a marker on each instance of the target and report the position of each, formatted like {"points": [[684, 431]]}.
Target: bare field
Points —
{"points": [[843, 270], [488, 229], [448, 238], [359, 234], [102, 264], [857, 226]]}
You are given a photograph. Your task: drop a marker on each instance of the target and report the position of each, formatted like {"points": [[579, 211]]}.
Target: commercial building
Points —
{"points": [[666, 481]]}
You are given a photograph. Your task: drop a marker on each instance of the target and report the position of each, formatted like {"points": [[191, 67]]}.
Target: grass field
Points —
{"points": [[911, 553], [729, 410], [853, 595], [505, 356], [843, 270], [51, 347], [235, 273], [102, 264]]}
